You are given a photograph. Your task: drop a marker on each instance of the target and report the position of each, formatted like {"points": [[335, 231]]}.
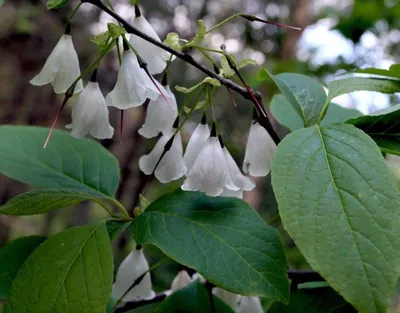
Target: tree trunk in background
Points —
{"points": [[301, 17]]}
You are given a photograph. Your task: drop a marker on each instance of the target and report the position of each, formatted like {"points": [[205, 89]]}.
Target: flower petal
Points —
{"points": [[241, 181], [90, 114], [195, 144], [250, 305], [171, 166], [61, 67], [209, 172], [181, 281], [259, 151], [134, 265], [133, 85], [154, 56], [229, 298], [160, 116]]}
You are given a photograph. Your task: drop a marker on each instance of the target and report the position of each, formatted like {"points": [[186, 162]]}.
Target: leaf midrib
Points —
{"points": [[345, 214], [73, 262]]}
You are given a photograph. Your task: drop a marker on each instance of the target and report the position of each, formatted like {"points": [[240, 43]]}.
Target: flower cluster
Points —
{"points": [[207, 164], [133, 283]]}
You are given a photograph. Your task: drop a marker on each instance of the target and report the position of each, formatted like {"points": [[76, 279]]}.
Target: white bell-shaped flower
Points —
{"points": [[133, 85], [61, 68], [90, 113], [229, 298], [250, 305], [241, 181], [160, 115], [171, 166], [209, 173], [134, 265], [155, 57], [196, 143], [260, 149], [180, 281], [199, 277]]}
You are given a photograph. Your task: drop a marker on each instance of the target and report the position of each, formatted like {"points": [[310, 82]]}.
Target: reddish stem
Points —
{"points": [[66, 98]]}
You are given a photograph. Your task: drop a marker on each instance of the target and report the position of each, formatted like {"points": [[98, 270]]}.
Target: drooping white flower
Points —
{"points": [[209, 173], [160, 115], [180, 281], [199, 277], [133, 85], [90, 114], [171, 166], [134, 265], [61, 67], [250, 305], [241, 181], [196, 143], [155, 57], [260, 149], [229, 298]]}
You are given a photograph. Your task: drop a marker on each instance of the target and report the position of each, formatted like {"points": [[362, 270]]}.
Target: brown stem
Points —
{"points": [[254, 96]]}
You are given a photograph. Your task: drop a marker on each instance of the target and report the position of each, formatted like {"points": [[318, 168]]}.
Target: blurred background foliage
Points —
{"points": [[337, 36]]}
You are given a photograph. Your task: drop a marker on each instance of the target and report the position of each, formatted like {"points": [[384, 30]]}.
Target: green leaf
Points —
{"points": [[288, 117], [320, 300], [200, 35], [198, 106], [1, 2], [70, 272], [172, 41], [42, 201], [246, 62], [226, 70], [337, 114], [382, 126], [116, 227], [101, 40], [208, 80], [115, 30], [192, 299], [81, 165], [393, 72], [56, 4], [12, 256], [304, 94], [339, 203], [347, 85], [223, 239]]}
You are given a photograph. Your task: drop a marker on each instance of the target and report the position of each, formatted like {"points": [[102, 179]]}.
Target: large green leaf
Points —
{"points": [[351, 84], [392, 72], [317, 300], [66, 163], [12, 256], [223, 239], [305, 95], [192, 299], [288, 117], [339, 202], [383, 126], [70, 272], [42, 201]]}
